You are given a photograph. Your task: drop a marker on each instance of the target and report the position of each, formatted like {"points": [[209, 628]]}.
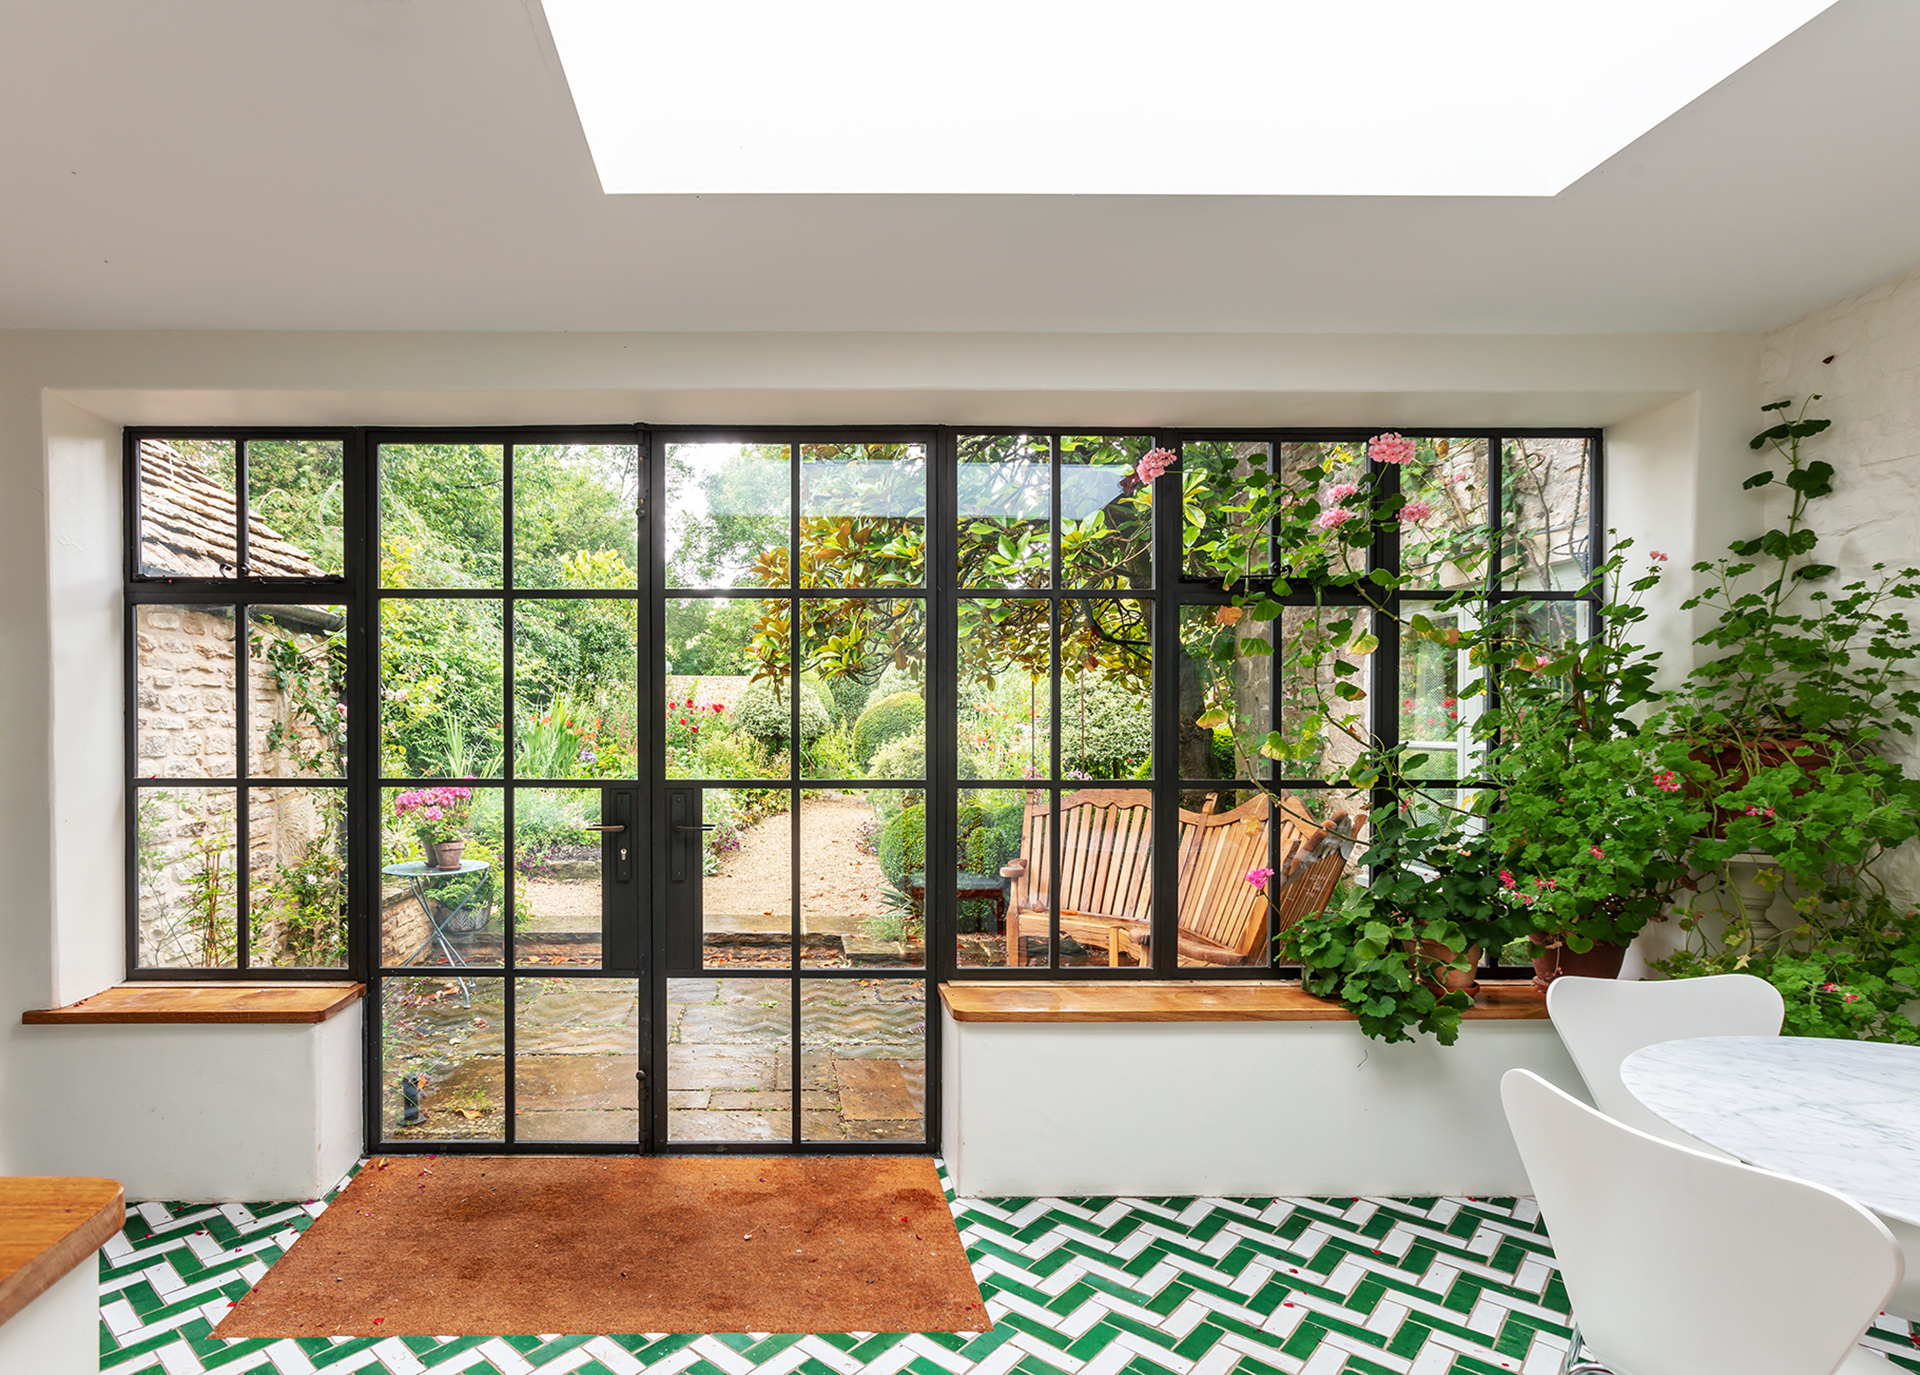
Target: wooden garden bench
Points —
{"points": [[1106, 879]]}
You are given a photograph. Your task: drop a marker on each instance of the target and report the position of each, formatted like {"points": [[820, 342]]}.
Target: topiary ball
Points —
{"points": [[767, 716], [886, 720]]}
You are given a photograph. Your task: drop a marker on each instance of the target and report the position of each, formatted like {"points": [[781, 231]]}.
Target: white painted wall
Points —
{"points": [[1234, 1108], [58, 1333], [212, 1112], [63, 395], [1871, 391]]}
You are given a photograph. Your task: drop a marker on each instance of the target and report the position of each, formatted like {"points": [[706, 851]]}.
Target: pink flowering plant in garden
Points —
{"points": [[435, 814]]}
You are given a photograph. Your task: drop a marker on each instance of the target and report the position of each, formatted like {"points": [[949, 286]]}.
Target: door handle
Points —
{"points": [[707, 827], [613, 828]]}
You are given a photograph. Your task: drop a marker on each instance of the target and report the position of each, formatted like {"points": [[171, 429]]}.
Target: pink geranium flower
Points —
{"points": [[1390, 448], [1258, 878], [1415, 511], [1153, 463], [1334, 519], [1340, 491]]}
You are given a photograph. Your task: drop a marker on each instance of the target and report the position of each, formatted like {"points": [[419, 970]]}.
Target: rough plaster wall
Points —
{"points": [[1871, 391]]}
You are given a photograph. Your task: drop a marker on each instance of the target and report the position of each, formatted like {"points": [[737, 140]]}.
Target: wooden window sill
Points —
{"points": [[48, 1228], [276, 1003], [1192, 1001]]}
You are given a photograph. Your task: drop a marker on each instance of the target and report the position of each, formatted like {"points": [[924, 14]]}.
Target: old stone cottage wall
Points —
{"points": [[188, 728]]}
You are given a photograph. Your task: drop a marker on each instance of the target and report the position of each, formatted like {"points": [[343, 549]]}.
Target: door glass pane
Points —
{"points": [[188, 877], [576, 1055], [746, 881], [728, 706], [441, 515], [1546, 486], [295, 514], [443, 1058], [574, 515], [863, 511], [729, 1060], [1106, 712], [296, 691], [184, 690], [1435, 718], [297, 900], [556, 877], [863, 1067], [1106, 514], [1006, 688], [441, 697], [1216, 674], [863, 879], [187, 523], [1006, 511], [450, 917], [575, 688], [864, 681], [999, 842], [728, 513]]}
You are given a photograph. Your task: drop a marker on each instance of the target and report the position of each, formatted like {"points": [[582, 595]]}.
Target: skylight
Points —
{"points": [[1118, 97]]}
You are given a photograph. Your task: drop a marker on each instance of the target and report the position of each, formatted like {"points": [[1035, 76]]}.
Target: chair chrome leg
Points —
{"points": [[1571, 1364]]}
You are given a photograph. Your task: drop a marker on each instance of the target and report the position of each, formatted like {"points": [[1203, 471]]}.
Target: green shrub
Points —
{"points": [[906, 758], [767, 715], [887, 720], [731, 754], [846, 697], [1106, 729], [902, 845], [831, 756], [990, 836], [895, 680]]}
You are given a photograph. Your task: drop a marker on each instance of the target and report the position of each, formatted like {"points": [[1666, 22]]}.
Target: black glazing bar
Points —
{"points": [[130, 699], [795, 649], [942, 615], [242, 802], [1055, 632], [242, 548], [361, 552], [1168, 558], [657, 839], [1596, 524]]}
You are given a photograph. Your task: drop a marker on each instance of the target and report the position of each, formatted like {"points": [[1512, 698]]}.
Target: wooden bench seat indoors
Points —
{"points": [[1106, 878]]}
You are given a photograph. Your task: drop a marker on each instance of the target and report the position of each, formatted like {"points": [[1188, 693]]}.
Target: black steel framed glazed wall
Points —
{"points": [[751, 738]]}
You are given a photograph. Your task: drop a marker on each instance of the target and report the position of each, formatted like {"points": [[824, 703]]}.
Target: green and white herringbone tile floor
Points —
{"points": [[1134, 1286]]}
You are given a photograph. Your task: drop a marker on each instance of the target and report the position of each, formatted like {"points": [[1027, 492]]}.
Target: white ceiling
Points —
{"points": [[416, 164]]}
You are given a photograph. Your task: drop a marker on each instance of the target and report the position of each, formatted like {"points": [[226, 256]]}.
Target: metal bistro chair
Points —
{"points": [[1603, 1021], [1681, 1263]]}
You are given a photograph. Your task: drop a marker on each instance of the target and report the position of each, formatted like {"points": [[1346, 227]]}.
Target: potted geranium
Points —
{"points": [[1789, 723], [439, 818]]}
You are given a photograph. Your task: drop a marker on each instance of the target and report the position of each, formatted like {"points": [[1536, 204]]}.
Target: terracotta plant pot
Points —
{"points": [[1551, 959], [445, 854], [1729, 764], [1454, 980]]}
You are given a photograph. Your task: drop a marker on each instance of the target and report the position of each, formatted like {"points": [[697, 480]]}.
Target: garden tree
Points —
{"points": [[295, 486]]}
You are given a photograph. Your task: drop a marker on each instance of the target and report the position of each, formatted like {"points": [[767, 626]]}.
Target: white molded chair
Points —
{"points": [[1603, 1021], [1679, 1263]]}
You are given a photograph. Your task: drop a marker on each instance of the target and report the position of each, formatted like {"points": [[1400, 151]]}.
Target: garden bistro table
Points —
{"points": [[1845, 1114], [417, 874]]}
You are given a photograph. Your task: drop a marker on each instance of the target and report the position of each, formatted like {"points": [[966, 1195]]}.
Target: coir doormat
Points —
{"points": [[494, 1245]]}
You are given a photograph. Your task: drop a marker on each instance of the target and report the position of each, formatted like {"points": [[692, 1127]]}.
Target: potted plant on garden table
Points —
{"points": [[439, 818]]}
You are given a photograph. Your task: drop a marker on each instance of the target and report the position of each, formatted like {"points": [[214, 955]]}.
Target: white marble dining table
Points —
{"points": [[1845, 1114]]}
